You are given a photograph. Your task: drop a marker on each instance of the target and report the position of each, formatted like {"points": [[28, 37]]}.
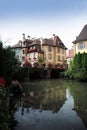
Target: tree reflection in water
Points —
{"points": [[79, 92], [51, 96]]}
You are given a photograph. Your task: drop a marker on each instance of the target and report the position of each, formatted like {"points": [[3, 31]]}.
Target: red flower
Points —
{"points": [[2, 81]]}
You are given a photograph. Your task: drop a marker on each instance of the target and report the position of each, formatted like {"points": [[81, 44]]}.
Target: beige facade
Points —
{"points": [[54, 55], [80, 44], [81, 47], [51, 50]]}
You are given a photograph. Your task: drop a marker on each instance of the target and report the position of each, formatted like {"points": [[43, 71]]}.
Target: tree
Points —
{"points": [[78, 68], [77, 60], [84, 60], [1, 59], [8, 62], [40, 59], [41, 62]]}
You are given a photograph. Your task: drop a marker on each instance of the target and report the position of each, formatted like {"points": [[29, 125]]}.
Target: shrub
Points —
{"points": [[56, 72], [78, 67], [35, 73]]}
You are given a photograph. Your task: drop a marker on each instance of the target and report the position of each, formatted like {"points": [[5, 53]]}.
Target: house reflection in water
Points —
{"points": [[54, 103], [49, 99]]}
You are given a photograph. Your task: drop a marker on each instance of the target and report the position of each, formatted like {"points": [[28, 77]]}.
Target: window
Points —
{"points": [[81, 46], [58, 58], [62, 58], [62, 51], [31, 48], [23, 58], [17, 56], [58, 50], [49, 56], [23, 51], [34, 47], [49, 49]]}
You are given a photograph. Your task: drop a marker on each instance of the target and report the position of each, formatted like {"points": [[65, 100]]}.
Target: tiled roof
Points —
{"points": [[34, 42], [27, 41], [47, 42], [54, 42], [18, 45], [82, 36]]}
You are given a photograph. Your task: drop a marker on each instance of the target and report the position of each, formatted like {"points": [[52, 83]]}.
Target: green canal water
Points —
{"points": [[52, 104]]}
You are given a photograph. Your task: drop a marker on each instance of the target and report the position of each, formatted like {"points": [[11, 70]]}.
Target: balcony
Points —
{"points": [[32, 50]]}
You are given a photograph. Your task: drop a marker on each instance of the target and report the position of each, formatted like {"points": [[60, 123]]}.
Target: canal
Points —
{"points": [[51, 104]]}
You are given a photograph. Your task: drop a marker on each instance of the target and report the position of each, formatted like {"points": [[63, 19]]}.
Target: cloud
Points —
{"points": [[42, 18]]}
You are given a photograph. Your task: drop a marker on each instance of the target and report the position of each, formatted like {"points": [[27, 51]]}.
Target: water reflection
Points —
{"points": [[79, 92], [49, 99], [52, 104]]}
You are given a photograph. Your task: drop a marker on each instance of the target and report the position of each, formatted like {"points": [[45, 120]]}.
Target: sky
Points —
{"points": [[42, 18]]}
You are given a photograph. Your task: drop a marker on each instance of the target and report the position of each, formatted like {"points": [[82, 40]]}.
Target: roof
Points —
{"points": [[34, 42], [48, 42], [82, 36], [18, 45], [54, 42], [28, 41]]}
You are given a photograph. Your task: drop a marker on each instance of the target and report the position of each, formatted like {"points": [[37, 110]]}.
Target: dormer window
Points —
{"points": [[49, 49]]}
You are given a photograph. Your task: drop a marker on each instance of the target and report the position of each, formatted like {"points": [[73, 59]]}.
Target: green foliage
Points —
{"points": [[8, 66], [21, 73], [55, 73], [35, 73], [4, 122], [2, 93], [82, 75], [84, 60], [78, 67], [1, 58], [8, 63], [40, 59], [77, 60]]}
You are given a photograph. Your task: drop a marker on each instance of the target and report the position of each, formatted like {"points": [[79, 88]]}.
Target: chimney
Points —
{"points": [[41, 42], [54, 36], [28, 37], [23, 37]]}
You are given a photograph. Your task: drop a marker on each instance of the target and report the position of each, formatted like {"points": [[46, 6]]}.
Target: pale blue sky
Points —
{"points": [[42, 18]]}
